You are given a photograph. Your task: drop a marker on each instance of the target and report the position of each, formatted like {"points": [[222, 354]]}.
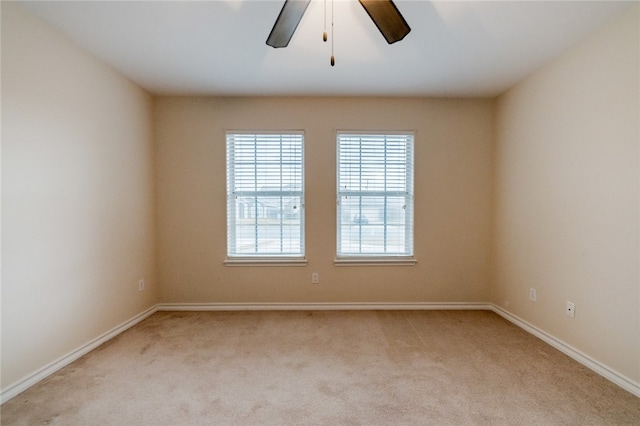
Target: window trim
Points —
{"points": [[265, 259], [373, 259]]}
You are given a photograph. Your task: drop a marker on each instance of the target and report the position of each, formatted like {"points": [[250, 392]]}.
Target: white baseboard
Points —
{"points": [[584, 359], [322, 306], [615, 377], [46, 371]]}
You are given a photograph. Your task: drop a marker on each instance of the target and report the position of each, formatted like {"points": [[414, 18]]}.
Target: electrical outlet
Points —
{"points": [[532, 294], [141, 285], [571, 309], [315, 278]]}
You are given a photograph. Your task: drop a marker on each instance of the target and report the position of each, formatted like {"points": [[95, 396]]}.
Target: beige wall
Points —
{"points": [[452, 200], [560, 158], [566, 197], [77, 197]]}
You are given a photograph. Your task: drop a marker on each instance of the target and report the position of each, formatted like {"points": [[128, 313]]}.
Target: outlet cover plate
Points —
{"points": [[571, 309]]}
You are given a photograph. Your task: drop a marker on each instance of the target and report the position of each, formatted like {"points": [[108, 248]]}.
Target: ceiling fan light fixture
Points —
{"points": [[384, 14]]}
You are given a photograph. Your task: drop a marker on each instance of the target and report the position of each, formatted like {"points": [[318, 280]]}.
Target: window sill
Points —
{"points": [[375, 261], [264, 261]]}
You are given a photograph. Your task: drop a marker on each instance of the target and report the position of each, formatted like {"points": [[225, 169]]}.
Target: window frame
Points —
{"points": [[235, 258], [363, 258]]}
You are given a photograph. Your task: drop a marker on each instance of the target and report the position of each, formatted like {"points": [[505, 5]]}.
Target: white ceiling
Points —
{"points": [[473, 48]]}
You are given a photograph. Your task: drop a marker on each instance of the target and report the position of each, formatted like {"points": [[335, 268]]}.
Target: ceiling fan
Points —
{"points": [[383, 13]]}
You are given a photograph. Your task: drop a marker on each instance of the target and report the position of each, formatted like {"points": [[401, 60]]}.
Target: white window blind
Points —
{"points": [[375, 195], [265, 195]]}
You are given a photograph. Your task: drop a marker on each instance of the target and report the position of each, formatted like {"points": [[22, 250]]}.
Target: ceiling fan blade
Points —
{"points": [[287, 22], [387, 18]]}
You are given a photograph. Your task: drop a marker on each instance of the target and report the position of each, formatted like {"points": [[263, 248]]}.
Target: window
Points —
{"points": [[265, 195], [375, 195]]}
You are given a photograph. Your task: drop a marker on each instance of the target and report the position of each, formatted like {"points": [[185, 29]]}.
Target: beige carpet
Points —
{"points": [[324, 368]]}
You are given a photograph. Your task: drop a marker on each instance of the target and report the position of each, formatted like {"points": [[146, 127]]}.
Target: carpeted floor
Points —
{"points": [[324, 368]]}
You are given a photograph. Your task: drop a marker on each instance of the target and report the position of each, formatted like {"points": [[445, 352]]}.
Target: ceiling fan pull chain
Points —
{"points": [[324, 33], [333, 59]]}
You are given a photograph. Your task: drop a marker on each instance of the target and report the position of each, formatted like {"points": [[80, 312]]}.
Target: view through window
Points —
{"points": [[265, 194], [375, 195]]}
